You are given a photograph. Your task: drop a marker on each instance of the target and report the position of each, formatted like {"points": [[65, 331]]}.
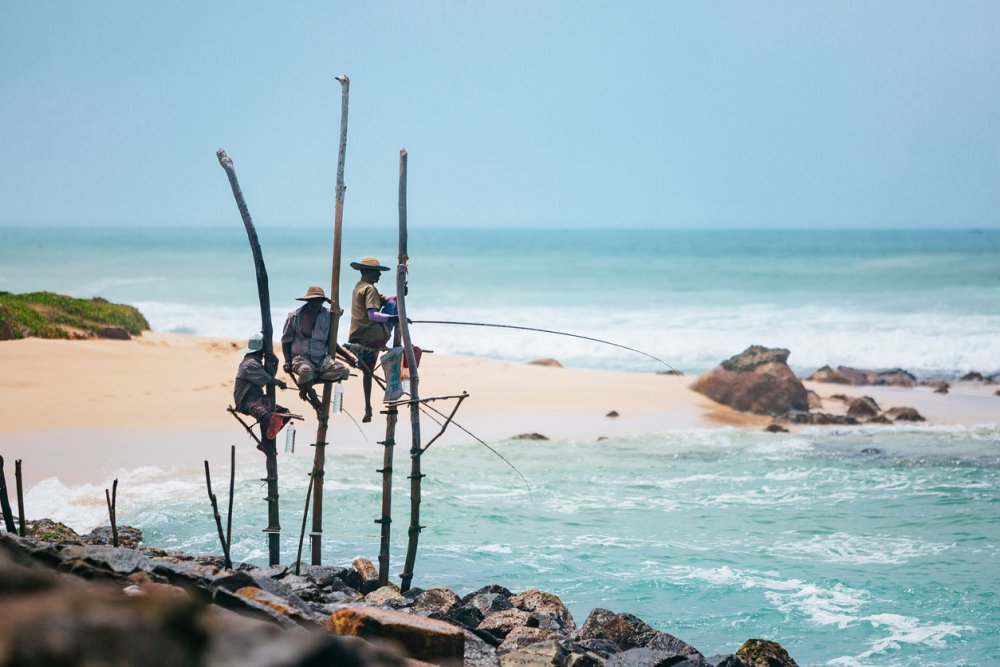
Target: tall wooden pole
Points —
{"points": [[8, 516], [391, 416], [319, 458], [411, 360], [20, 497], [273, 529]]}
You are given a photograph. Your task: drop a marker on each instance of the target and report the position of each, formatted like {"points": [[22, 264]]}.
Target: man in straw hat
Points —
{"points": [[370, 325], [304, 343], [248, 392]]}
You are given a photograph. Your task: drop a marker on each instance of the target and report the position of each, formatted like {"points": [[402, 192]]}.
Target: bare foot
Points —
{"points": [[368, 416]]}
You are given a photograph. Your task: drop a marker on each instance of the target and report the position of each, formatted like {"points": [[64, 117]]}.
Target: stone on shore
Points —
{"points": [[128, 536], [864, 407], [545, 604], [904, 414], [435, 601], [758, 380], [896, 377], [422, 638], [549, 363], [363, 576], [47, 530], [628, 631], [763, 653]]}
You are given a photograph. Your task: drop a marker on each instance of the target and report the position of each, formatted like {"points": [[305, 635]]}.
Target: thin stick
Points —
{"points": [[319, 458], [302, 533], [218, 518], [8, 515], [232, 488], [273, 529], [447, 421], [20, 496], [112, 500]]}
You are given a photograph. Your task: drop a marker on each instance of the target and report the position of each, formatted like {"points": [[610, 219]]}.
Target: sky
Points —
{"points": [[778, 114]]}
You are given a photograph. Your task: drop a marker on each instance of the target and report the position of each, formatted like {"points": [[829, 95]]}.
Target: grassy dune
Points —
{"points": [[48, 315]]}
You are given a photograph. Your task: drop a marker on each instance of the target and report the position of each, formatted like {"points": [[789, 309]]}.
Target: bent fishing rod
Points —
{"points": [[550, 331]]}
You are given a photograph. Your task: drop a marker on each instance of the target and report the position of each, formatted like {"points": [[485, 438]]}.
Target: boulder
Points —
{"points": [[613, 414], [822, 418], [878, 419], [114, 333], [647, 657], [385, 594], [435, 600], [540, 654], [763, 653], [550, 363], [775, 427], [973, 376], [524, 635], [904, 414], [729, 660], [466, 616], [815, 402], [422, 638], [827, 374], [529, 436], [895, 377], [856, 376], [546, 604], [758, 380], [363, 576], [628, 631], [479, 653], [862, 408], [127, 537], [47, 530], [501, 623], [489, 599]]}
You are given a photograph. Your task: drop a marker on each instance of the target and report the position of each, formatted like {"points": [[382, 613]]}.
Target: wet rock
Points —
{"points": [[904, 414], [613, 414], [541, 654], [757, 380], [421, 638], [324, 576], [466, 616], [501, 623], [879, 419], [47, 530], [578, 656], [479, 653], [128, 536], [489, 599], [546, 604], [827, 374], [895, 377], [729, 660], [282, 606], [602, 647], [815, 402], [774, 427], [763, 653], [550, 363], [863, 408], [671, 371], [871, 451], [530, 436], [820, 418], [973, 376], [647, 657], [91, 561], [524, 635], [435, 600], [363, 576], [114, 333], [384, 594], [855, 376], [628, 631]]}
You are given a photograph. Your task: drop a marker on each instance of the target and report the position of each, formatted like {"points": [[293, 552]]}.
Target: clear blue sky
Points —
{"points": [[658, 114]]}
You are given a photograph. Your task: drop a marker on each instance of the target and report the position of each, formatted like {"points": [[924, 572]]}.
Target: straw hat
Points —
{"points": [[369, 263], [314, 292], [255, 344]]}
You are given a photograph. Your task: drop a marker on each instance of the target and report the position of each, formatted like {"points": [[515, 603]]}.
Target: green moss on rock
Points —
{"points": [[48, 315]]}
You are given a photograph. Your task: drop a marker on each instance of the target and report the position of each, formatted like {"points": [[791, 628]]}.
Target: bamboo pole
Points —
{"points": [[20, 497], [415, 475], [8, 515], [218, 518], [112, 500], [391, 416], [273, 529], [319, 457], [232, 489]]}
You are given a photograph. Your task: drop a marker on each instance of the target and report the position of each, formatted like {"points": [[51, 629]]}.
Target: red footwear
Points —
{"points": [[276, 424]]}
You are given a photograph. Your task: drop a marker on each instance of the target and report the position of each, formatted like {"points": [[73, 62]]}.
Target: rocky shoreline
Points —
{"points": [[72, 603]]}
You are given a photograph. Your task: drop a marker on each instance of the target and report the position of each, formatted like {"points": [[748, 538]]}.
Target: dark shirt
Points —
{"points": [[251, 378]]}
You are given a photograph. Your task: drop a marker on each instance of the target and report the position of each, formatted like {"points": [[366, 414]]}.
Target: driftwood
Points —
{"points": [[8, 516], [273, 529], [415, 476], [319, 457], [20, 497], [112, 500], [218, 518]]}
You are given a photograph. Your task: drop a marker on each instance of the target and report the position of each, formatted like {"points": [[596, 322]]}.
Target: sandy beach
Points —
{"points": [[80, 410]]}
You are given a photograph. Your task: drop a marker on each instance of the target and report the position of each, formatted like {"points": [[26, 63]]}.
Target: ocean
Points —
{"points": [[716, 535]]}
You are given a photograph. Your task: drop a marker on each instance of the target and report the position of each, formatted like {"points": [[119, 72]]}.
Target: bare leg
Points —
{"points": [[366, 383]]}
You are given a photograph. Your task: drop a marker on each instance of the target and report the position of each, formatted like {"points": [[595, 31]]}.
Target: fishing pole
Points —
{"points": [[550, 331]]}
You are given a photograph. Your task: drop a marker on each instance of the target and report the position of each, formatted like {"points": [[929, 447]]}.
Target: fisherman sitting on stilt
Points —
{"points": [[305, 346], [372, 318], [251, 379]]}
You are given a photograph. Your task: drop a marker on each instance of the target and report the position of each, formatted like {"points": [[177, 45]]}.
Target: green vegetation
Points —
{"points": [[48, 315]]}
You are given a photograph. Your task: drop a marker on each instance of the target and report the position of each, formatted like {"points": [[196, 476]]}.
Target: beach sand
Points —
{"points": [[81, 410]]}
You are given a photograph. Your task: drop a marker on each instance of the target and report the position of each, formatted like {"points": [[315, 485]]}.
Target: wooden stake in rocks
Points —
{"points": [[20, 496], [112, 499], [319, 458], [232, 488], [273, 529], [218, 518], [415, 475], [8, 516], [391, 417]]}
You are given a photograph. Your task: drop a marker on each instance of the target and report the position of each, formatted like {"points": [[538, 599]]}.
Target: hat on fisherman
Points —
{"points": [[369, 263], [255, 344], [314, 292]]}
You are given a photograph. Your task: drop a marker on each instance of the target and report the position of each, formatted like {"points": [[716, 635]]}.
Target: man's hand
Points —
{"points": [[287, 367], [281, 384]]}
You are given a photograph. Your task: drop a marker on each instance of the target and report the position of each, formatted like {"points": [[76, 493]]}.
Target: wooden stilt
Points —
{"points": [[232, 489], [273, 529], [8, 516], [319, 457], [218, 518], [302, 533], [20, 497], [112, 500]]}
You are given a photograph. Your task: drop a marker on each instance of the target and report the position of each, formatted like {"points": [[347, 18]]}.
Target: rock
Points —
{"points": [[672, 371], [815, 402], [279, 605], [879, 419], [489, 599], [550, 363], [758, 381], [422, 638], [774, 427], [435, 600], [47, 530], [973, 376], [997, 392], [530, 436], [363, 576], [724, 661], [541, 654], [841, 397], [647, 657], [821, 418], [325, 576], [522, 636], [602, 647], [500, 624], [546, 604], [384, 594], [466, 616], [628, 631], [114, 333], [763, 653], [872, 451], [856, 376], [827, 374], [904, 414], [478, 653], [863, 408], [127, 537], [895, 377], [612, 415], [940, 387]]}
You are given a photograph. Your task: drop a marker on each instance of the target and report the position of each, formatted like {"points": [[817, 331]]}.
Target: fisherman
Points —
{"points": [[248, 392], [305, 346], [370, 324]]}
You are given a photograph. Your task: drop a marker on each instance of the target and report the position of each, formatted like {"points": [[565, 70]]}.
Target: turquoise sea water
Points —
{"points": [[713, 535]]}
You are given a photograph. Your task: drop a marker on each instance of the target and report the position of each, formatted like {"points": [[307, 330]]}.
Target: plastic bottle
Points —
{"points": [[338, 398], [290, 439]]}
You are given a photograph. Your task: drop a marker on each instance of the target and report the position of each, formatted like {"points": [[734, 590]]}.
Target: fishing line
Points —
{"points": [[550, 331]]}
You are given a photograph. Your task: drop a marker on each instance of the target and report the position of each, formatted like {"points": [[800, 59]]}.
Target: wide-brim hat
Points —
{"points": [[254, 344], [314, 292], [369, 263]]}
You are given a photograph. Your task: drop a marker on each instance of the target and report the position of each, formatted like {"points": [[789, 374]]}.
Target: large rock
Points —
{"points": [[864, 407], [903, 414], [47, 530], [128, 536], [647, 657], [502, 623], [523, 636], [435, 601], [541, 654], [545, 604], [363, 576], [421, 638], [827, 374], [764, 653], [628, 631], [758, 380], [489, 599]]}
